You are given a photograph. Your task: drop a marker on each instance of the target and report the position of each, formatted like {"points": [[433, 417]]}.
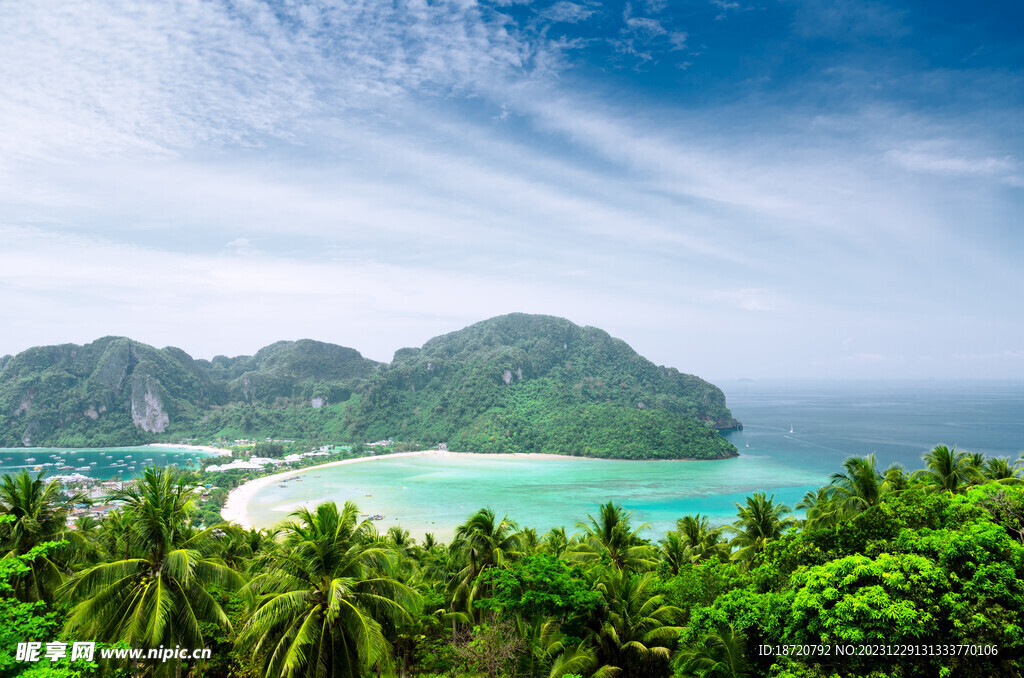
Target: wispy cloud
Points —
{"points": [[940, 158], [436, 163]]}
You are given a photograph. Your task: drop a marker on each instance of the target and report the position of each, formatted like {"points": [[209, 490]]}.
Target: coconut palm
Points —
{"points": [[158, 594], [529, 541], [636, 629], [556, 541], [675, 552], [821, 507], [482, 542], [719, 655], [975, 459], [703, 540], [37, 514], [895, 479], [611, 539], [321, 604], [860, 487], [429, 541], [999, 469], [760, 521], [948, 470], [401, 541]]}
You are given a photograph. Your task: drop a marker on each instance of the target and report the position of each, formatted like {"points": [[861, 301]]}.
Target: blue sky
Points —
{"points": [[737, 189]]}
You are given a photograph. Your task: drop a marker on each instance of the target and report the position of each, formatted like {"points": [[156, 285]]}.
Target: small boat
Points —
{"points": [[31, 459], [369, 495], [282, 486], [376, 517]]}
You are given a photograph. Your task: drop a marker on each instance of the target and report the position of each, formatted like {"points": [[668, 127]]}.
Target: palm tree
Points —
{"points": [[999, 469], [760, 522], [895, 479], [719, 655], [529, 541], [556, 541], [703, 540], [320, 606], [822, 508], [975, 459], [637, 628], [400, 540], [860, 487], [948, 470], [480, 543], [610, 538], [37, 514], [157, 594], [675, 552]]}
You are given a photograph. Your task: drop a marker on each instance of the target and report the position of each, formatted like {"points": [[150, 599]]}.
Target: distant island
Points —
{"points": [[516, 383]]}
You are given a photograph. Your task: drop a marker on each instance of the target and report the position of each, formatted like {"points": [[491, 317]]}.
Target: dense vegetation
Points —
{"points": [[928, 564], [515, 383]]}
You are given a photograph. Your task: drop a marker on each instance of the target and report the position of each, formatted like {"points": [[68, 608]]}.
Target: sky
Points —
{"points": [[748, 188]]}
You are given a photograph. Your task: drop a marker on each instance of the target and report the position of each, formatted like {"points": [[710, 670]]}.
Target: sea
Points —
{"points": [[795, 435], [98, 463]]}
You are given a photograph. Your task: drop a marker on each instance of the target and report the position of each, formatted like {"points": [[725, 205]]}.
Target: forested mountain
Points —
{"points": [[532, 383], [515, 383]]}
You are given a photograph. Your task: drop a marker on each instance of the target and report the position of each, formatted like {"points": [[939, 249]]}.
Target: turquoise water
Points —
{"points": [[829, 422], [98, 463]]}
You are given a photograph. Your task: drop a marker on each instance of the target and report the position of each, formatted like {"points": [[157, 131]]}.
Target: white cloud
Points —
{"points": [[942, 158], [567, 12]]}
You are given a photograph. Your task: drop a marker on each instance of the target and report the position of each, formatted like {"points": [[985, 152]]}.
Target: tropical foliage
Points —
{"points": [[930, 559], [515, 383]]}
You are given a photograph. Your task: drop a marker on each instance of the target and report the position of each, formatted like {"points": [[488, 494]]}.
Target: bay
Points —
{"points": [[795, 435], [97, 463]]}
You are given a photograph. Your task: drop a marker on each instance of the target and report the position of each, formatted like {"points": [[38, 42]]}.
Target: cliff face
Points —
{"points": [[512, 383], [115, 391]]}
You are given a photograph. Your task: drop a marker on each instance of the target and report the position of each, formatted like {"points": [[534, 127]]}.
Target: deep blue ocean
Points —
{"points": [[817, 424]]}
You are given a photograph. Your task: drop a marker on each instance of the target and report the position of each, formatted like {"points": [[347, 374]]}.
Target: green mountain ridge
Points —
{"points": [[514, 383]]}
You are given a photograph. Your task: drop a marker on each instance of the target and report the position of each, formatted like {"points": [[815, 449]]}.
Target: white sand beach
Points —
{"points": [[236, 507], [198, 448]]}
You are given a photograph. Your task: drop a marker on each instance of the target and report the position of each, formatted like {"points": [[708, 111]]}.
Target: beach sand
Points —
{"points": [[236, 507]]}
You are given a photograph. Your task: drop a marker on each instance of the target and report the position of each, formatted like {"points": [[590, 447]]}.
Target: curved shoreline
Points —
{"points": [[236, 507]]}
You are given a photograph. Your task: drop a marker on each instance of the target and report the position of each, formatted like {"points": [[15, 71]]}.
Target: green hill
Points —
{"points": [[515, 383], [115, 391], [530, 383]]}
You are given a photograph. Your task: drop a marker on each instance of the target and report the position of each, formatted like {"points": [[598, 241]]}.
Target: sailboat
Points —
{"points": [[790, 428]]}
